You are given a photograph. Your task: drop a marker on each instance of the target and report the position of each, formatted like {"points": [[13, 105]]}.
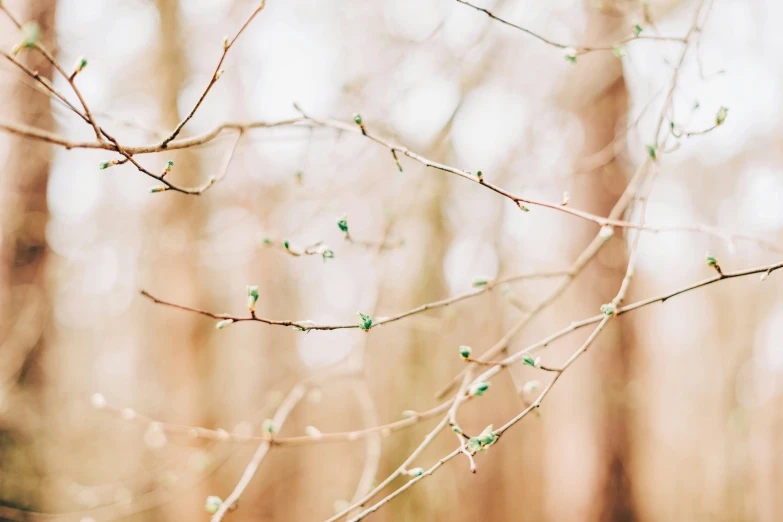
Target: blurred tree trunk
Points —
{"points": [[176, 346], [24, 300], [601, 488]]}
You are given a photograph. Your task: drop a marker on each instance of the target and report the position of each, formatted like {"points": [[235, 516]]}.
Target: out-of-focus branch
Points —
{"points": [[576, 49], [221, 435], [288, 404]]}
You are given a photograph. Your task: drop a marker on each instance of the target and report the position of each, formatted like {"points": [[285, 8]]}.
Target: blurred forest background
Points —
{"points": [[676, 412]]}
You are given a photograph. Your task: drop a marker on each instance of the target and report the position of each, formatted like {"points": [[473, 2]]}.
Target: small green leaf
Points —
{"points": [[465, 351], [486, 437], [652, 150], [365, 321], [637, 30], [342, 224], [529, 360], [619, 51]]}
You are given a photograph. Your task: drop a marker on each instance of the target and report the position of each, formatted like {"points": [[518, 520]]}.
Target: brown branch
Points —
{"points": [[307, 326], [215, 76]]}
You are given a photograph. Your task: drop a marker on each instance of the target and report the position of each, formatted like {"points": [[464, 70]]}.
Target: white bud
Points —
{"points": [[154, 437], [606, 233], [222, 324], [213, 504], [531, 386], [312, 431], [98, 401]]}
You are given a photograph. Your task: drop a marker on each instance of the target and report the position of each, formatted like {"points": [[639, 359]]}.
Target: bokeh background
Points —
{"points": [[675, 413]]}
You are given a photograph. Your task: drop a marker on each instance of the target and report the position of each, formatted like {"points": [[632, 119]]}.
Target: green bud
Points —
{"points": [[154, 190], [81, 63], [267, 241], [252, 298], [619, 51], [169, 165], [224, 323], [212, 180], [342, 224], [480, 176], [720, 117], [608, 309], [106, 164], [465, 351], [479, 388], [286, 244], [31, 33], [710, 259], [416, 472], [606, 232], [480, 282], [213, 504], [652, 150], [474, 445], [327, 254], [456, 429], [269, 426], [399, 166], [407, 414], [570, 54], [357, 119], [529, 360], [637, 30], [365, 321]]}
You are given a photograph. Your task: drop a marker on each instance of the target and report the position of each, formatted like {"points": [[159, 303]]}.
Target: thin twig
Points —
{"points": [[288, 404], [215, 76]]}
